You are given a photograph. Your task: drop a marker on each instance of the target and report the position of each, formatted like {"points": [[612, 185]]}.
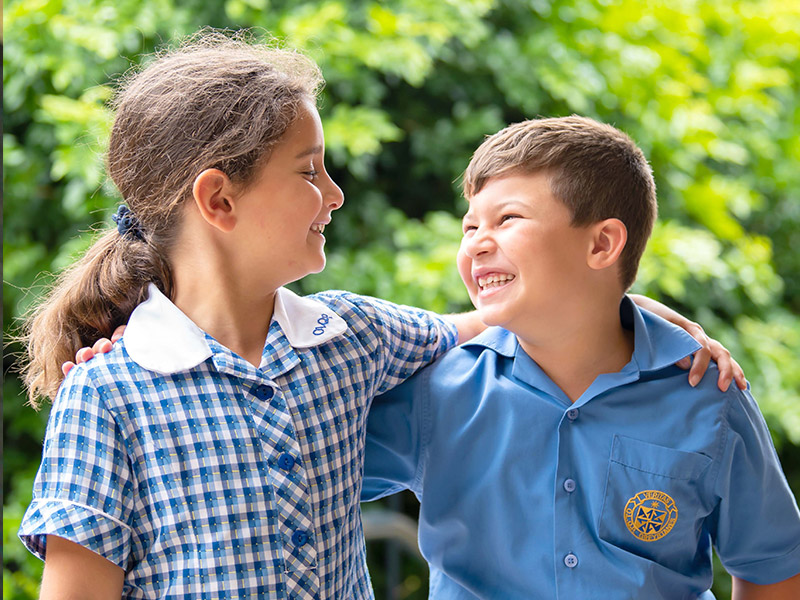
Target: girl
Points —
{"points": [[216, 450]]}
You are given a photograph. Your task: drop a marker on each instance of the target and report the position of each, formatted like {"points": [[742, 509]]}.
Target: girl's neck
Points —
{"points": [[229, 308]]}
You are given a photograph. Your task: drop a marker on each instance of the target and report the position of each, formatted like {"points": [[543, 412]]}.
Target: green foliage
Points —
{"points": [[707, 88]]}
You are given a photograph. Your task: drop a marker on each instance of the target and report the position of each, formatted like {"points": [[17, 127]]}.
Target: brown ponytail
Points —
{"points": [[218, 100], [88, 301]]}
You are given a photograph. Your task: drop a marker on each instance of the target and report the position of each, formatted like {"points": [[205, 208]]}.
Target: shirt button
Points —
{"points": [[300, 538], [569, 485], [572, 414], [263, 392], [571, 561], [286, 461]]}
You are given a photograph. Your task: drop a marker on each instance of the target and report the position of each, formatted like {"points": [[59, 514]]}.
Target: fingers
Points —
{"points": [[117, 333], [729, 369], [700, 362], [738, 375], [684, 363], [701, 358], [102, 346], [84, 354]]}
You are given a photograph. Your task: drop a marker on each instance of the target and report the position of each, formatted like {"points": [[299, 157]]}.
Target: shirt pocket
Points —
{"points": [[653, 504]]}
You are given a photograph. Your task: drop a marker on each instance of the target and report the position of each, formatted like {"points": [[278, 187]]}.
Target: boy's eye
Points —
{"points": [[469, 228], [505, 218]]}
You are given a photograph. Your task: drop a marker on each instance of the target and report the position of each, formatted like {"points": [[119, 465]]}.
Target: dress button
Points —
{"points": [[263, 392], [571, 561], [569, 485], [300, 538], [286, 461], [572, 414]]}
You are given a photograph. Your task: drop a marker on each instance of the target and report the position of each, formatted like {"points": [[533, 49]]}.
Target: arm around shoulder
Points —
{"points": [[74, 572], [468, 324]]}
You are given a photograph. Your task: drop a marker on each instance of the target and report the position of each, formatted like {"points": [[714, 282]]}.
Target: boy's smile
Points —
{"points": [[520, 258]]}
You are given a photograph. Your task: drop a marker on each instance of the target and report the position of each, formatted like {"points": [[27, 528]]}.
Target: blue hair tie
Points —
{"points": [[127, 222]]}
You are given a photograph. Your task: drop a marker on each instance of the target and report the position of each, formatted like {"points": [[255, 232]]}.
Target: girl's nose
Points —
{"points": [[333, 195]]}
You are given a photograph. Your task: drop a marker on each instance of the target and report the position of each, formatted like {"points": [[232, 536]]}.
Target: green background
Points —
{"points": [[708, 89]]}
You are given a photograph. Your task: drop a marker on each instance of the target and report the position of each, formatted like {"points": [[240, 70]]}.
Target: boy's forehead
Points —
{"points": [[534, 182]]}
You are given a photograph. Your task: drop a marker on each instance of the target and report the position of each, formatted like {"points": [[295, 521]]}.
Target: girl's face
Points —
{"points": [[286, 209]]}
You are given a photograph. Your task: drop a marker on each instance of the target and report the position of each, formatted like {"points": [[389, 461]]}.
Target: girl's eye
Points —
{"points": [[311, 174]]}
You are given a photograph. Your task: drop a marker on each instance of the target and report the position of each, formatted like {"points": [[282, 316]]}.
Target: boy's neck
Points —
{"points": [[574, 353]]}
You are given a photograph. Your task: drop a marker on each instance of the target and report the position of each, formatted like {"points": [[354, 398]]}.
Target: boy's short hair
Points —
{"points": [[596, 170]]}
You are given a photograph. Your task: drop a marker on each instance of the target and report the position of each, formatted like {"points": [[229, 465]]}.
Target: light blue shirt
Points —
{"points": [[525, 495], [205, 477]]}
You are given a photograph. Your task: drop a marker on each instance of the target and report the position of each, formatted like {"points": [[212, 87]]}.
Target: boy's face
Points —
{"points": [[520, 258]]}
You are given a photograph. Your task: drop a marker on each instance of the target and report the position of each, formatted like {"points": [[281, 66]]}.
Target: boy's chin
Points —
{"points": [[490, 318]]}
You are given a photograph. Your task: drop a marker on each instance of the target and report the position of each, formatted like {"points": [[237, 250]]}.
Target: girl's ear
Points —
{"points": [[214, 196], [607, 243]]}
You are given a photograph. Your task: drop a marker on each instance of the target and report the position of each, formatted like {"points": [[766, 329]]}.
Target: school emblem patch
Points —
{"points": [[650, 515]]}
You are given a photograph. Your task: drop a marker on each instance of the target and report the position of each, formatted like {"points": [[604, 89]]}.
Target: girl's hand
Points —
{"points": [[101, 346], [729, 369]]}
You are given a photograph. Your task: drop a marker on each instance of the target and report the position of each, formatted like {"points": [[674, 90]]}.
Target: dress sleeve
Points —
{"points": [[756, 526], [84, 488], [407, 339]]}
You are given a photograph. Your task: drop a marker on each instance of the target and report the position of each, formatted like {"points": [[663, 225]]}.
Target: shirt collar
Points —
{"points": [[161, 338], [657, 343]]}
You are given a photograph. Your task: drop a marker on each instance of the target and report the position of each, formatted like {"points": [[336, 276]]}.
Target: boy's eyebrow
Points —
{"points": [[310, 151]]}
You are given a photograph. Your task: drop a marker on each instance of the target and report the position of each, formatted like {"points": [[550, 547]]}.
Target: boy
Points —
{"points": [[560, 454]]}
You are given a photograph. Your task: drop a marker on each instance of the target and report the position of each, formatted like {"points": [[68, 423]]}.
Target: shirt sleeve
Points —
{"points": [[407, 338], [83, 490], [394, 439], [756, 528]]}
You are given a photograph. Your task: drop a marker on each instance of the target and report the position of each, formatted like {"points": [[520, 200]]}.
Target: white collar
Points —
{"points": [[161, 338]]}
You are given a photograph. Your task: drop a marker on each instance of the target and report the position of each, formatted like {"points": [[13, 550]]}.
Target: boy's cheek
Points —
{"points": [[464, 264]]}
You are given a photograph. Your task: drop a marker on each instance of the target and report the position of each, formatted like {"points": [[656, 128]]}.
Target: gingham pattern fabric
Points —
{"points": [[224, 480]]}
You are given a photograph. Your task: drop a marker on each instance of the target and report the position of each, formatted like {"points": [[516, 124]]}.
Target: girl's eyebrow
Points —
{"points": [[310, 152]]}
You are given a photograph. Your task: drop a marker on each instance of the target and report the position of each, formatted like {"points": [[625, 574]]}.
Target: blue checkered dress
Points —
{"points": [[205, 477]]}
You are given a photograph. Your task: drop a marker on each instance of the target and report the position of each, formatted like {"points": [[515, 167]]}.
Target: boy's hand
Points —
{"points": [[729, 369], [101, 346]]}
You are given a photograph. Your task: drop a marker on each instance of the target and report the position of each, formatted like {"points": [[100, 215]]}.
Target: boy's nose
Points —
{"points": [[477, 244]]}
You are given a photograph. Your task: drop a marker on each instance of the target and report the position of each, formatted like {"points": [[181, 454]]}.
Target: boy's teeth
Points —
{"points": [[494, 280]]}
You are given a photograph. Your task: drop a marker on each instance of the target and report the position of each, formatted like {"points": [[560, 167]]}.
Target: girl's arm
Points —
{"points": [[729, 369], [469, 325], [74, 572], [788, 589]]}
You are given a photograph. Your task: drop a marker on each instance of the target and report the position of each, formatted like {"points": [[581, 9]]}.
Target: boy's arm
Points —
{"points": [[788, 589], [72, 571]]}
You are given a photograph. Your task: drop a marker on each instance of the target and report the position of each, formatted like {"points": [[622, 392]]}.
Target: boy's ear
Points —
{"points": [[213, 194], [607, 243]]}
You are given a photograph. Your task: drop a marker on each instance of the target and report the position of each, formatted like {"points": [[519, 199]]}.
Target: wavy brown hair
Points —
{"points": [[218, 100]]}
